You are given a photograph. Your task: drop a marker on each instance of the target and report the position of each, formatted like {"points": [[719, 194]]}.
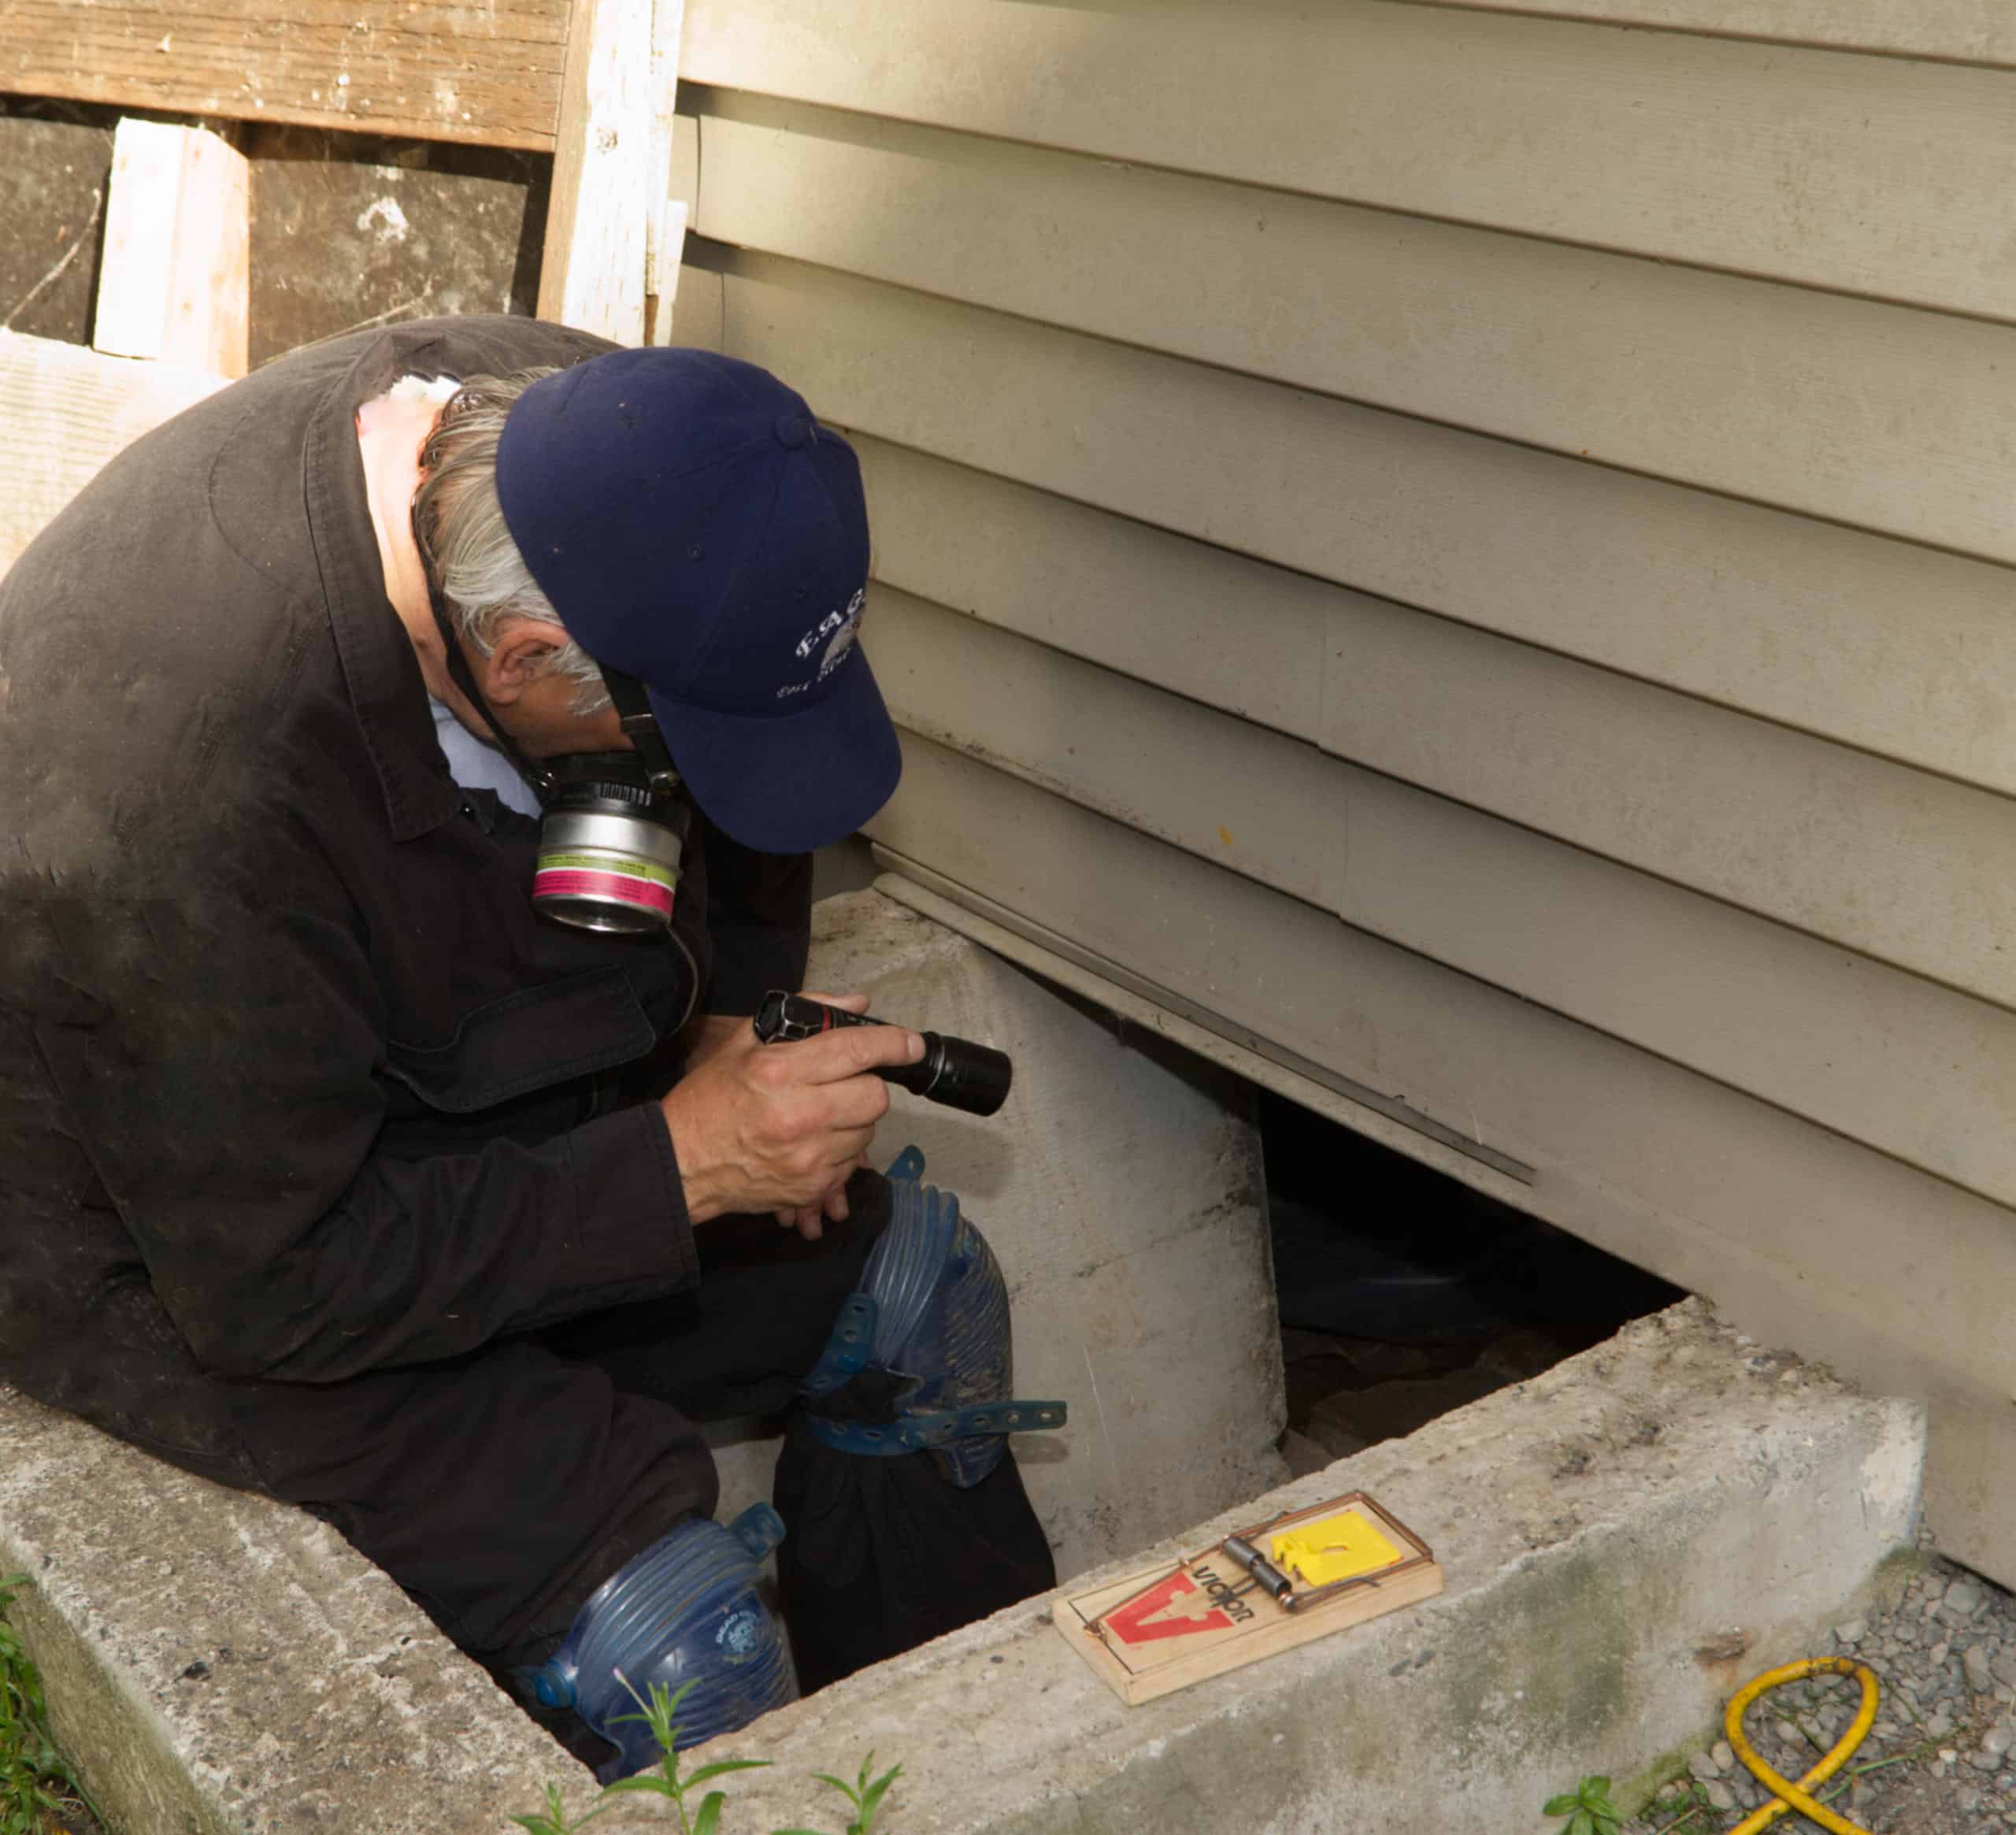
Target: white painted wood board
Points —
{"points": [[665, 212], [68, 411], [593, 272], [174, 277]]}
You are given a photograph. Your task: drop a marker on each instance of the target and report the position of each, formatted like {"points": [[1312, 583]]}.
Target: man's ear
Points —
{"points": [[522, 653]]}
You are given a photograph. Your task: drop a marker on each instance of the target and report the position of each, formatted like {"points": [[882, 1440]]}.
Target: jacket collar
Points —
{"points": [[382, 673]]}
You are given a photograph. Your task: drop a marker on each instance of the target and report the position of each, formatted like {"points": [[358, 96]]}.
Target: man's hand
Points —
{"points": [[780, 1127], [707, 1035]]}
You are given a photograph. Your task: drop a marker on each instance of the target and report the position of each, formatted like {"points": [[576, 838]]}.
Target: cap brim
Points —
{"points": [[787, 783]]}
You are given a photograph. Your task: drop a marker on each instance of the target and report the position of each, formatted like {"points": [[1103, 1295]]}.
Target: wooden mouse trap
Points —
{"points": [[1283, 1582]]}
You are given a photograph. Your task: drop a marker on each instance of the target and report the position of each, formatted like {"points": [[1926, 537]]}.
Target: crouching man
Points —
{"points": [[408, 761]]}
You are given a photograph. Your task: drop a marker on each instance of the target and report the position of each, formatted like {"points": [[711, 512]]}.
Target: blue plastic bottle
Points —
{"points": [[684, 1610]]}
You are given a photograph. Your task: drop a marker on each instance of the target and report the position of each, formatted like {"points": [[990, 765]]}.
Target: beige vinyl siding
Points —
{"points": [[1325, 485], [1788, 617], [1981, 32], [1736, 384], [1886, 176], [1889, 1058], [1469, 552], [1805, 1236], [1611, 1113]]}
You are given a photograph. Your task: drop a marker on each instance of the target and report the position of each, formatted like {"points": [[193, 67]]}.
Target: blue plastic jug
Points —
{"points": [[684, 1610]]}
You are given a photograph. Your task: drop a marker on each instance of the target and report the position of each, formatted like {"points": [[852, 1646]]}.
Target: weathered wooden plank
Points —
{"points": [[1875, 175], [67, 410], [174, 280], [1899, 420], [1975, 32], [487, 71], [665, 160], [1920, 1071], [1879, 644], [592, 275], [1793, 1232]]}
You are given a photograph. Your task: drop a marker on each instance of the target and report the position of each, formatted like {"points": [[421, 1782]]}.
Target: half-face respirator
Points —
{"points": [[614, 828], [614, 824]]}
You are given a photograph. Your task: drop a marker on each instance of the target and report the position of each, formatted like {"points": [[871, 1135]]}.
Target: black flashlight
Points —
{"points": [[955, 1071]]}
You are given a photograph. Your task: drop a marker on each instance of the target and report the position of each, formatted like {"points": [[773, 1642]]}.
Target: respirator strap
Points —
{"points": [[632, 704], [640, 726], [464, 677]]}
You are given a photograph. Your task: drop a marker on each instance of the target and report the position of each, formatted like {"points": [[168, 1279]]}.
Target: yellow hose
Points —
{"points": [[1788, 1795]]}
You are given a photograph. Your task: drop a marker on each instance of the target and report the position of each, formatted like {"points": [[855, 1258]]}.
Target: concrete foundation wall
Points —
{"points": [[1120, 1186]]}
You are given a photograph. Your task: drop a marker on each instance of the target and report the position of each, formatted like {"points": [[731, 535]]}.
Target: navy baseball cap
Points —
{"points": [[694, 527]]}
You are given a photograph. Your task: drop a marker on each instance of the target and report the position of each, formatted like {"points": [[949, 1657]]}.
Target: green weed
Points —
{"points": [[1587, 1808], [36, 1786], [865, 1796], [661, 1713]]}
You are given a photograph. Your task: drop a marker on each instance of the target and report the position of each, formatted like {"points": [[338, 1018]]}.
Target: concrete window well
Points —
{"points": [[1249, 1311]]}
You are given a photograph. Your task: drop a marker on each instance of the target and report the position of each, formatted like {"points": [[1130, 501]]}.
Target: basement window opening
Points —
{"points": [[1404, 1294]]}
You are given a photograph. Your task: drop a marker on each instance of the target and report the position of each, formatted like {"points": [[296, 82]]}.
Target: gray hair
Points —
{"points": [[463, 538]]}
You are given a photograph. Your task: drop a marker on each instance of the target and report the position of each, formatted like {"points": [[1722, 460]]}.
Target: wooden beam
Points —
{"points": [[67, 411], [173, 284], [592, 276], [435, 69]]}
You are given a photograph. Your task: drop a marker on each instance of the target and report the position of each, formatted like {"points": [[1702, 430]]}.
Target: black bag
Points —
{"points": [[883, 1554]]}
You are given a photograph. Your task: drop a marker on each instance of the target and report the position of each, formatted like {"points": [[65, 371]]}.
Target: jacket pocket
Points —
{"points": [[526, 1041]]}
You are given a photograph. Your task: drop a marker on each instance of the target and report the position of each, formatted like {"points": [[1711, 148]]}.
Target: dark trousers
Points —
{"points": [[502, 1489]]}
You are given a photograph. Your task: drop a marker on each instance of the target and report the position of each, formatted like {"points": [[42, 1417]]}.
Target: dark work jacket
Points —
{"points": [[294, 1085]]}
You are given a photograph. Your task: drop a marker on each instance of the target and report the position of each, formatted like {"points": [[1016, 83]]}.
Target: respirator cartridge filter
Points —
{"points": [[610, 848]]}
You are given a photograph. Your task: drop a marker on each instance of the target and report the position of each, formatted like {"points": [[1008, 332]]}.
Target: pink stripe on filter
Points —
{"points": [[571, 882]]}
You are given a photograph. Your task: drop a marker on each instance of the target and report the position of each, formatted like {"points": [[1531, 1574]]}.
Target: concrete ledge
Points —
{"points": [[1625, 1539], [217, 1663]]}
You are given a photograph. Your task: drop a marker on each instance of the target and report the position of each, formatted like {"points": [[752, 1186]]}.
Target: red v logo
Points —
{"points": [[1175, 1608]]}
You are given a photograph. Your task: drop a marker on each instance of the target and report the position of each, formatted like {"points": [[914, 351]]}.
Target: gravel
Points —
{"points": [[1941, 1758]]}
